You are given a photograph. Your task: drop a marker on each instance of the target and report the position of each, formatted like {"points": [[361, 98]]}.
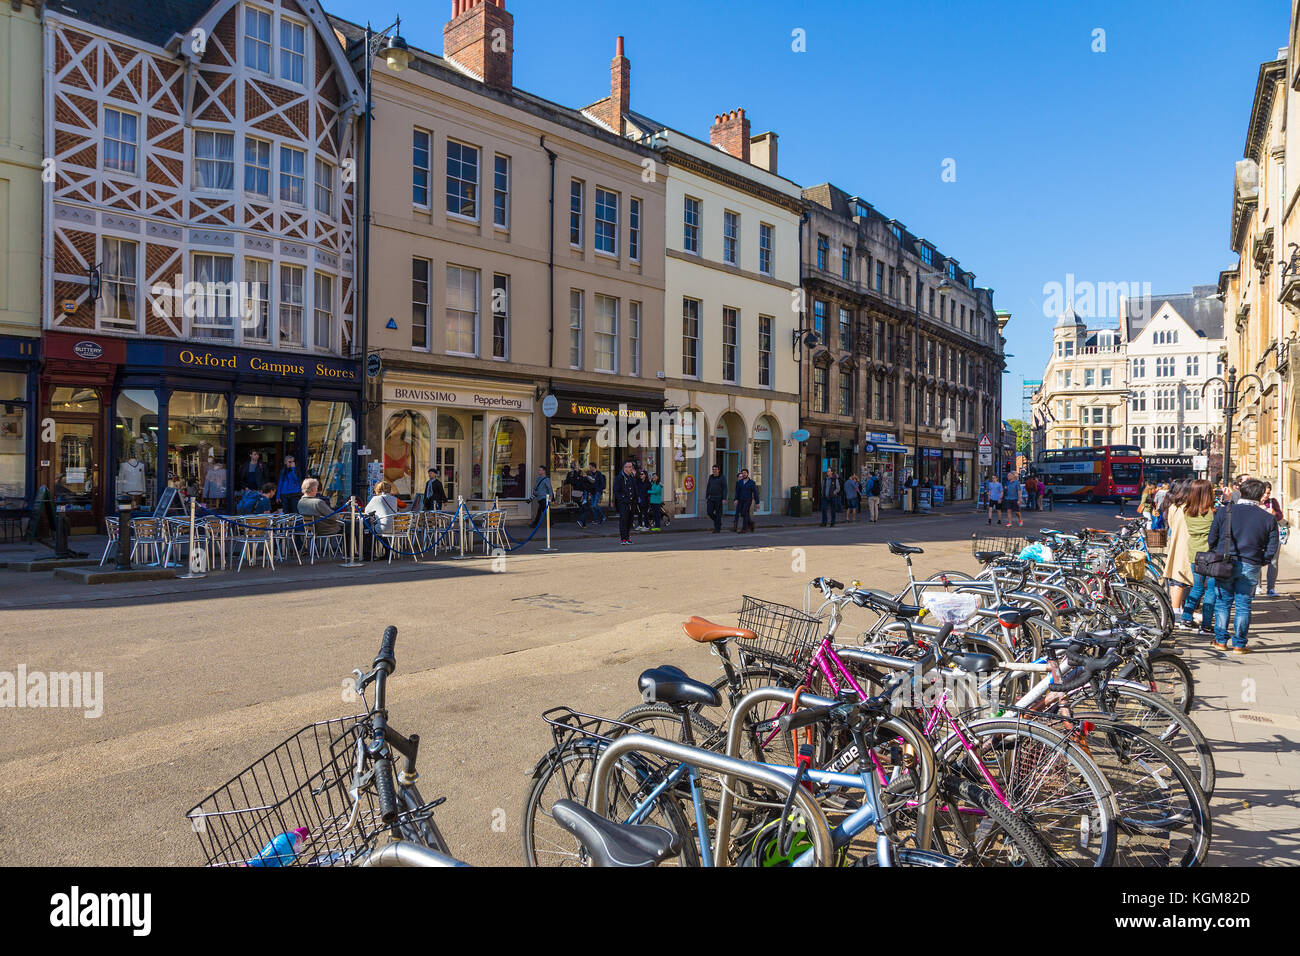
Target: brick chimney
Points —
{"points": [[612, 109], [730, 132], [480, 38]]}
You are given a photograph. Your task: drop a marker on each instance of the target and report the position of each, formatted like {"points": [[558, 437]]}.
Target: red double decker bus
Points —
{"points": [[1099, 473]]}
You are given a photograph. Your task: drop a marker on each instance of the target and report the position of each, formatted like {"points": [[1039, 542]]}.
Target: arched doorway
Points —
{"points": [[762, 462], [689, 463], [729, 452]]}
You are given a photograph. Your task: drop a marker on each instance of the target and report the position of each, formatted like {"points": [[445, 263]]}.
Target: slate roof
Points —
{"points": [[1198, 308], [154, 21]]}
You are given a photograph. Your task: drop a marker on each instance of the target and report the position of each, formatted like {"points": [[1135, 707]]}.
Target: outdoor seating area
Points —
{"points": [[234, 542]]}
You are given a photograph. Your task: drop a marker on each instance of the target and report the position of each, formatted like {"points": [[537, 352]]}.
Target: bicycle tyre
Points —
{"points": [[577, 761], [1160, 800], [1157, 716], [1077, 832], [1170, 675], [959, 834]]}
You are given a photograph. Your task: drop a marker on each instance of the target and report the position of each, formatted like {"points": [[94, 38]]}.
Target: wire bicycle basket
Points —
{"points": [[293, 807], [1009, 544], [785, 635]]}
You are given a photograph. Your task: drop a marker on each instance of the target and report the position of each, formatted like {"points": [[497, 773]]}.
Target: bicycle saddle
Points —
{"points": [[670, 685], [896, 547], [616, 844], [706, 632], [1011, 616], [984, 557], [976, 663]]}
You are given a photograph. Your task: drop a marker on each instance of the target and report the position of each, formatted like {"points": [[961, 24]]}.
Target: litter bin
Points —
{"points": [[800, 501]]}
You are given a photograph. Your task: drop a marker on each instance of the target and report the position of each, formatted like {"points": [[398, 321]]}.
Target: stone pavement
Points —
{"points": [[1249, 709]]}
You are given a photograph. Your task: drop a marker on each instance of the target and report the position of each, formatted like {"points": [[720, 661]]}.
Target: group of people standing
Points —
{"points": [[1239, 523], [849, 493], [1008, 499], [260, 494]]}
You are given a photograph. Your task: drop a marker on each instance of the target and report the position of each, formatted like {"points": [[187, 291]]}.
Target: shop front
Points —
{"points": [[684, 444], [607, 428], [19, 378], [134, 418], [477, 434], [882, 454]]}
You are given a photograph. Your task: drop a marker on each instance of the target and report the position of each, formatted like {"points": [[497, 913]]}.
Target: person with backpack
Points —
{"points": [[872, 492], [852, 498], [1245, 535], [746, 495], [831, 491], [256, 502], [715, 492]]}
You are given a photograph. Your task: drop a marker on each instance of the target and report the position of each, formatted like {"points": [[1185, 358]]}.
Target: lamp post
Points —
{"points": [[1230, 403], [944, 286], [397, 56]]}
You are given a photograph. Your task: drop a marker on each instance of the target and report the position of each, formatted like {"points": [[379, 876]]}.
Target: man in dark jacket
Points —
{"points": [[542, 493], [252, 474], [831, 491], [746, 495], [595, 489], [714, 493], [625, 492], [1251, 543], [435, 496]]}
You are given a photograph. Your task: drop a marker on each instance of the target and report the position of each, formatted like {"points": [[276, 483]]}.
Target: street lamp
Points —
{"points": [[944, 286], [397, 55], [1230, 403]]}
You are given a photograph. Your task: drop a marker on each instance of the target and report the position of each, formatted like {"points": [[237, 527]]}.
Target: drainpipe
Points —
{"points": [[550, 261]]}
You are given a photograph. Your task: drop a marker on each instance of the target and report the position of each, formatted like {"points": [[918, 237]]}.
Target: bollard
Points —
{"points": [[460, 525], [124, 532], [548, 549], [60, 529], [352, 561], [198, 561]]}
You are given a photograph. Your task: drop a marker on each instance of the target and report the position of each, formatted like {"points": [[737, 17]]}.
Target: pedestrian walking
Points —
{"points": [[715, 492], [625, 494], [746, 494], [643, 500], [596, 489], [1178, 556], [288, 487], [994, 492], [1012, 494], [1270, 504], [584, 488], [1198, 516], [542, 493], [1144, 502], [435, 496], [1247, 535], [873, 496], [656, 503], [852, 498], [831, 491]]}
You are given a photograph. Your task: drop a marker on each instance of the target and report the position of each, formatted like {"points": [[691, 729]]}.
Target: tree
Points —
{"points": [[1021, 428]]}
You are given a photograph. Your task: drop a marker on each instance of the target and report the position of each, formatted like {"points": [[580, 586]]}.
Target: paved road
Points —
{"points": [[201, 678]]}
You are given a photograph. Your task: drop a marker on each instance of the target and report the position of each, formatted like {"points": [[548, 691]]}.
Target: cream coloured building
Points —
{"points": [[731, 264], [1082, 401], [517, 257], [21, 132]]}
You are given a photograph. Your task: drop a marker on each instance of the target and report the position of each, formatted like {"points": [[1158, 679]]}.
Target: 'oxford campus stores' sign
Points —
{"points": [[487, 399]]}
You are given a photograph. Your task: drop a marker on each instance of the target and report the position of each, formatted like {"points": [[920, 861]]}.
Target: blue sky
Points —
{"points": [[1113, 166]]}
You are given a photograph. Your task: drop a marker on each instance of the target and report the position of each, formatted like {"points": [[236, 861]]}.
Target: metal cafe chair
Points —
{"points": [[287, 529], [149, 535], [255, 536], [325, 545], [402, 528], [110, 528]]}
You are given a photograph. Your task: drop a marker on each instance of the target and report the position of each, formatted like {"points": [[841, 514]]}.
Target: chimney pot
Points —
{"points": [[730, 133], [618, 46], [473, 40]]}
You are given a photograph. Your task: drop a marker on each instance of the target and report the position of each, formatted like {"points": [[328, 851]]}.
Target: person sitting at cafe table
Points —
{"points": [[314, 509], [383, 505], [259, 503]]}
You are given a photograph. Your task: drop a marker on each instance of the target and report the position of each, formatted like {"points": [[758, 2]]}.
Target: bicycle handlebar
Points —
{"points": [[386, 650]]}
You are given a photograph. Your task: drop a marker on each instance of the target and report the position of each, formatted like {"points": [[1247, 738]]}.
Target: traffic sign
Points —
{"points": [[986, 442]]}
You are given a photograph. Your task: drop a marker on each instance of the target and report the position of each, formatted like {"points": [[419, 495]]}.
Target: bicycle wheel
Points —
{"points": [[976, 829], [1167, 674], [1157, 716], [1045, 778], [1143, 603], [568, 774], [759, 742], [1164, 817]]}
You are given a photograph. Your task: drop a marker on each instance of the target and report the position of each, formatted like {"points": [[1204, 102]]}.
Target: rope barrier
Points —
{"points": [[379, 539]]}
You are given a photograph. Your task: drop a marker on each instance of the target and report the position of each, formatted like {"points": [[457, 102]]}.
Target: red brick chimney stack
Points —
{"points": [[730, 132], [620, 83], [480, 37]]}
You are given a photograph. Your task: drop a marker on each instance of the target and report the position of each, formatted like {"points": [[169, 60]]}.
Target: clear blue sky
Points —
{"points": [[1114, 166]]}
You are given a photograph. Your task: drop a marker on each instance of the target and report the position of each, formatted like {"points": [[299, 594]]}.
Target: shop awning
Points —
{"points": [[889, 447]]}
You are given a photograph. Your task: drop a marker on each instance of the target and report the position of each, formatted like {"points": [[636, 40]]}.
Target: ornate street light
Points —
{"points": [[1231, 401]]}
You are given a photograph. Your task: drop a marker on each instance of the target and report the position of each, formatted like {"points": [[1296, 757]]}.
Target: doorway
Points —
{"points": [[449, 454], [73, 474], [728, 444], [273, 443]]}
